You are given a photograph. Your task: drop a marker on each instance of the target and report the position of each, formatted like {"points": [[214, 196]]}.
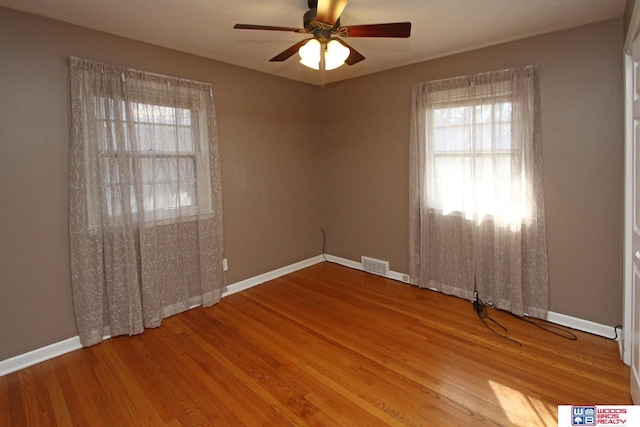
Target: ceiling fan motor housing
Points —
{"points": [[319, 29], [309, 19]]}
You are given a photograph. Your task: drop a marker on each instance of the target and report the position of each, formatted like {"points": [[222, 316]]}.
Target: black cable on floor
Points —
{"points": [[551, 328], [481, 310], [615, 330]]}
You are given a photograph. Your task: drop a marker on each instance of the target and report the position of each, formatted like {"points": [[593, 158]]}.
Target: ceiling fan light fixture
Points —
{"points": [[335, 53], [310, 54], [322, 21]]}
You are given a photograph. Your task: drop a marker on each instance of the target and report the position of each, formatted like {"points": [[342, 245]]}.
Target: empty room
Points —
{"points": [[324, 213]]}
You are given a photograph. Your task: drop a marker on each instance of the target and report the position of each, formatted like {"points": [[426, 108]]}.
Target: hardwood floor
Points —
{"points": [[324, 346]]}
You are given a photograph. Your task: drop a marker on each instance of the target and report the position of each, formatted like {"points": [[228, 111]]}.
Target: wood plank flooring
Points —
{"points": [[325, 346]]}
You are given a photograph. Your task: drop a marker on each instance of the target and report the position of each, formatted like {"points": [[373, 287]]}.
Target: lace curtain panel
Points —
{"points": [[476, 196], [145, 198]]}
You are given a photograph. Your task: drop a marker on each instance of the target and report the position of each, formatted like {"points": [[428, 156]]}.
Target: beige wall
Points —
{"points": [[582, 116], [271, 176], [628, 12], [282, 180]]}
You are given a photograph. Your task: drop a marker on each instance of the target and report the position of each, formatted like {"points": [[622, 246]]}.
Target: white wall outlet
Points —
{"points": [[225, 265]]}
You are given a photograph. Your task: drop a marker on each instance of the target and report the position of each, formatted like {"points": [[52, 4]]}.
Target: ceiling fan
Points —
{"points": [[322, 20]]}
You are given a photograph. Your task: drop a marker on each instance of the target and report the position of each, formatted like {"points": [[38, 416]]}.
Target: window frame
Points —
{"points": [[202, 198], [433, 200]]}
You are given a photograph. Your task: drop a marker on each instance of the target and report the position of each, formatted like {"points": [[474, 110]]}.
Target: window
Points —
{"points": [[153, 156], [163, 152], [145, 198], [470, 155], [476, 213]]}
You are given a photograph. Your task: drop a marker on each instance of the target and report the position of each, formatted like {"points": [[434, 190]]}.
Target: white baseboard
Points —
{"points": [[401, 277], [557, 318], [57, 349], [583, 325], [39, 355], [254, 281]]}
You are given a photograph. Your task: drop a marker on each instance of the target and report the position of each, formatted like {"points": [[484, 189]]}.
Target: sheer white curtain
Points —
{"points": [[477, 207], [145, 198]]}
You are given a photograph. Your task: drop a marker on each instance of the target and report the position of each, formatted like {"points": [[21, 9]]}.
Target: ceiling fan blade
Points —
{"points": [[396, 29], [269, 28], [354, 56], [330, 10], [288, 53]]}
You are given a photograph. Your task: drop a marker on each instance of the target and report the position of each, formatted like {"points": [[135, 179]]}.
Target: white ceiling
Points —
{"points": [[439, 27]]}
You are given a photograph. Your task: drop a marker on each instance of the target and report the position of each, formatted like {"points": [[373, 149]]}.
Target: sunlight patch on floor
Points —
{"points": [[518, 406]]}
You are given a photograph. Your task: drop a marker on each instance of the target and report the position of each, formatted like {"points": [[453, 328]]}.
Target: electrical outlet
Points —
{"points": [[225, 265]]}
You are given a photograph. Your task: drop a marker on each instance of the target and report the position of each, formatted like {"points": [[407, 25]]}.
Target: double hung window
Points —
{"points": [[473, 164], [153, 156], [145, 198], [476, 197], [163, 152]]}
